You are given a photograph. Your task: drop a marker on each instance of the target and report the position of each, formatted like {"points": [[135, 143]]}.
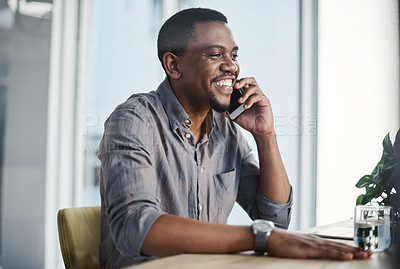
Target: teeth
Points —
{"points": [[224, 83]]}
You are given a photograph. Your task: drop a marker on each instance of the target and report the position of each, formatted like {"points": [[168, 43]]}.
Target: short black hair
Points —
{"points": [[178, 30]]}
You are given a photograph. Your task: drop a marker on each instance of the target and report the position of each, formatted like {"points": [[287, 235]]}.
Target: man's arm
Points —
{"points": [[171, 235], [258, 119], [274, 182]]}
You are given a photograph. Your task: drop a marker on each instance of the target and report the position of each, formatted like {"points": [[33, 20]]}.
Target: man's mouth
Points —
{"points": [[224, 85]]}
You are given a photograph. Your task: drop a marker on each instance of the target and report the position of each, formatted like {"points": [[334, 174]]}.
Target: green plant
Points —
{"points": [[383, 184]]}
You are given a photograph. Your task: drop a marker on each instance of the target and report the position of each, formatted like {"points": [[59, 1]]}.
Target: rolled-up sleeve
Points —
{"points": [[251, 199], [279, 213], [128, 185], [258, 206]]}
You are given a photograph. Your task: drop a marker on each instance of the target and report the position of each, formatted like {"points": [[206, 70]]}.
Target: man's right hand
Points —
{"points": [[303, 246]]}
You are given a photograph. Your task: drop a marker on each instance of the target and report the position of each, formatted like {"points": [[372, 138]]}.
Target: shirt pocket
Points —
{"points": [[226, 191]]}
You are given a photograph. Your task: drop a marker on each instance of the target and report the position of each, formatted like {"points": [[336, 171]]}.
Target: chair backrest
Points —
{"points": [[79, 235]]}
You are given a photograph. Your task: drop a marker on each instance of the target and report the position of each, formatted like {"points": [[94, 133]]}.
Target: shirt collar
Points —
{"points": [[176, 113]]}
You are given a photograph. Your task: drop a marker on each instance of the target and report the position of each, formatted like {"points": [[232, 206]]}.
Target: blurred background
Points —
{"points": [[329, 67]]}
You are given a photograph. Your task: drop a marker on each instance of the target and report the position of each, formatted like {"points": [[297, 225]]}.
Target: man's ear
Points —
{"points": [[171, 65]]}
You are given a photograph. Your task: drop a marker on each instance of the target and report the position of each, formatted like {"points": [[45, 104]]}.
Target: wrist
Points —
{"points": [[262, 229], [265, 138]]}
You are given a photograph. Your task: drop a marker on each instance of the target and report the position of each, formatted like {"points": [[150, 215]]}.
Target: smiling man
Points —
{"points": [[174, 163]]}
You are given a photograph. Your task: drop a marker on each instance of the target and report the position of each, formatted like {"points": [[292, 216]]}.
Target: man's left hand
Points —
{"points": [[258, 117]]}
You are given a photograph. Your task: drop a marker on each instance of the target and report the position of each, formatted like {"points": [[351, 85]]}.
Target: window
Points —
{"points": [[358, 97], [119, 56]]}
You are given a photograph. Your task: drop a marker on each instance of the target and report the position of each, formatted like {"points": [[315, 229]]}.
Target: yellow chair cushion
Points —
{"points": [[79, 235]]}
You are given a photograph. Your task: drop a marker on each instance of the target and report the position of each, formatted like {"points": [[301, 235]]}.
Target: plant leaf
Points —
{"points": [[393, 180], [388, 151], [396, 145], [367, 198], [360, 199], [364, 181], [384, 180], [376, 169], [376, 176], [373, 192]]}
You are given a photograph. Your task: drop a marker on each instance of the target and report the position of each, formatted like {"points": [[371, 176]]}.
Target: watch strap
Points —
{"points": [[260, 244]]}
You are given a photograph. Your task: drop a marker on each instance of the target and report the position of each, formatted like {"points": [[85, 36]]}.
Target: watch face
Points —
{"points": [[263, 225]]}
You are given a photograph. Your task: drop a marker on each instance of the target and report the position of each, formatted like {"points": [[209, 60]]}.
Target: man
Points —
{"points": [[173, 163]]}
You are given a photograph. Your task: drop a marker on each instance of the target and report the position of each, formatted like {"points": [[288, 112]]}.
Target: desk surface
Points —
{"points": [[249, 260]]}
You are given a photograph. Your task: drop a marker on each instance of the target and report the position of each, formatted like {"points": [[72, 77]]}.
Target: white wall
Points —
{"points": [[358, 101]]}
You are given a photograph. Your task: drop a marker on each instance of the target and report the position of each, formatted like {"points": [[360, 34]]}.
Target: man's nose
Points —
{"points": [[229, 65]]}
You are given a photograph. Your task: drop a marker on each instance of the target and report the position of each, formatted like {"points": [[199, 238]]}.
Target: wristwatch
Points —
{"points": [[262, 230]]}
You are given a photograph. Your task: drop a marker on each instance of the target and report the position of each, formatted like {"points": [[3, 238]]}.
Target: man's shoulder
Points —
{"points": [[141, 100], [138, 104], [133, 118]]}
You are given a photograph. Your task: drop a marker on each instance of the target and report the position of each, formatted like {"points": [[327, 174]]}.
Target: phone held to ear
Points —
{"points": [[235, 109]]}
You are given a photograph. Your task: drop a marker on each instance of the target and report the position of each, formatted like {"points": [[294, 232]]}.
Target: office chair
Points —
{"points": [[79, 235]]}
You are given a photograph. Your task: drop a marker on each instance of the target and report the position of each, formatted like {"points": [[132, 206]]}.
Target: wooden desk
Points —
{"points": [[249, 260]]}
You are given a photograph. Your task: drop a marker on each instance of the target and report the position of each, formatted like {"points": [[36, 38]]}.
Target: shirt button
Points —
{"points": [[187, 121], [200, 207], [188, 135], [201, 170]]}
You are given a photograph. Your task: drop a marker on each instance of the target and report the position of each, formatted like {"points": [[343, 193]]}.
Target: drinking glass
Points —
{"points": [[373, 227]]}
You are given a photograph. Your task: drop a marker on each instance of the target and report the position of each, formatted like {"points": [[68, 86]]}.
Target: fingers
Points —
{"points": [[329, 253], [260, 99], [335, 252], [338, 251], [347, 250], [294, 245], [245, 82], [252, 93], [249, 86]]}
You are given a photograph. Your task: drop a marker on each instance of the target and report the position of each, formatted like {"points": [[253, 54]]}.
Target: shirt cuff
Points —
{"points": [[279, 213], [130, 240]]}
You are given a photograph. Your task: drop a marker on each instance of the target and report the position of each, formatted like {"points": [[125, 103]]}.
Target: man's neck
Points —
{"points": [[196, 111], [199, 126]]}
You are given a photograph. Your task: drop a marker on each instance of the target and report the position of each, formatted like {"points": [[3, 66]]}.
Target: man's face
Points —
{"points": [[209, 66]]}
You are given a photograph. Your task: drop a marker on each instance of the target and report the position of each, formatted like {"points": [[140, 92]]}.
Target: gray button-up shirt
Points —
{"points": [[151, 165]]}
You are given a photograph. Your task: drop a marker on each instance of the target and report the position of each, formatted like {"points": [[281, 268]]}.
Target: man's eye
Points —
{"points": [[217, 55], [235, 56]]}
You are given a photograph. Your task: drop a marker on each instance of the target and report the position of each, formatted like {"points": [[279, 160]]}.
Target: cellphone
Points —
{"points": [[235, 109]]}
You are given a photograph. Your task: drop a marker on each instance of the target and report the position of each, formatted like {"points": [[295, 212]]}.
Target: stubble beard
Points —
{"points": [[217, 105]]}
